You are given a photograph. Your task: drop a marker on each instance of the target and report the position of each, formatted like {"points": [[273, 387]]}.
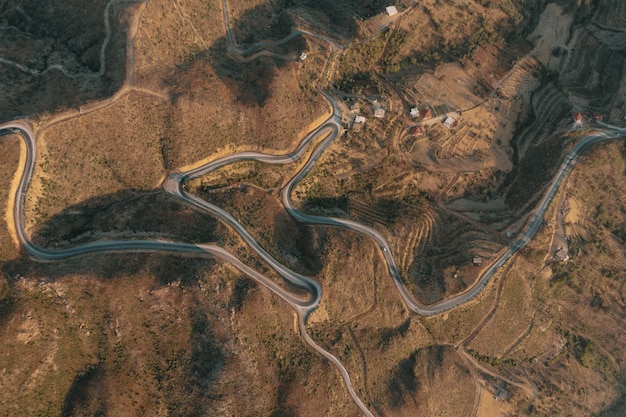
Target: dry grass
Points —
{"points": [[454, 326], [88, 342], [573, 349], [101, 153], [73, 36], [511, 320], [10, 149], [195, 74], [159, 334]]}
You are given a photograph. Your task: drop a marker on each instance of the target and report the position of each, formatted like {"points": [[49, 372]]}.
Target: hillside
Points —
{"points": [[442, 127]]}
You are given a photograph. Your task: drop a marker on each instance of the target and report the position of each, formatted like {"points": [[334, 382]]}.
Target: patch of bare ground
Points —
{"points": [[492, 407], [500, 333], [9, 158], [449, 389], [551, 33], [354, 285]]}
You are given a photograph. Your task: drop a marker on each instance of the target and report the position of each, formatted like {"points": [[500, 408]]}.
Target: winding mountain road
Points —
{"points": [[25, 131], [328, 131], [174, 185]]}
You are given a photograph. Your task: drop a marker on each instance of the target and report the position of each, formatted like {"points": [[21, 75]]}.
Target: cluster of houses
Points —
{"points": [[425, 114], [379, 112], [448, 121], [579, 118]]}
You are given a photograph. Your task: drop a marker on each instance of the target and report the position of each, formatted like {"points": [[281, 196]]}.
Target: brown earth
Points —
{"points": [[557, 324], [158, 334]]}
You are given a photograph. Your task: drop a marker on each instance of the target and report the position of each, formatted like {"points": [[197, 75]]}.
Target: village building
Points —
{"points": [[417, 130], [358, 123], [379, 113], [501, 394], [414, 112], [561, 254], [578, 117], [426, 114], [477, 261], [450, 122], [391, 10], [598, 117], [302, 56]]}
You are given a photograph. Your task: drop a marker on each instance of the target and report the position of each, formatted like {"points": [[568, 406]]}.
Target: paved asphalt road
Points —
{"points": [[27, 134], [174, 185], [529, 232], [331, 128]]}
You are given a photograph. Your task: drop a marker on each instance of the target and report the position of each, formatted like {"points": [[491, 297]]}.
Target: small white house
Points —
{"points": [[302, 56], [450, 122], [391, 10], [359, 119], [379, 113], [414, 112]]}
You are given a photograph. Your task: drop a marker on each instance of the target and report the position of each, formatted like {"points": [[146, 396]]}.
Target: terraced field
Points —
{"points": [[522, 80], [594, 68], [611, 13], [550, 108], [442, 262], [460, 149], [414, 237]]}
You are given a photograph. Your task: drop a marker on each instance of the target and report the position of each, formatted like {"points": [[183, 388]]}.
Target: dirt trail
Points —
{"points": [[527, 385], [122, 92], [65, 71]]}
